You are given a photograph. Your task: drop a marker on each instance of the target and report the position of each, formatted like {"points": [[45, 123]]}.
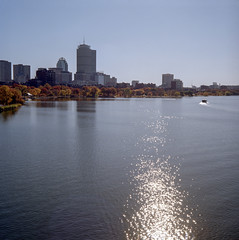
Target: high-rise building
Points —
{"points": [[166, 80], [62, 63], [21, 73], [5, 71], [86, 65], [86, 59]]}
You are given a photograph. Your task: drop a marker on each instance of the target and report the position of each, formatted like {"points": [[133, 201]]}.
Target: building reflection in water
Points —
{"points": [[6, 115], [88, 105]]}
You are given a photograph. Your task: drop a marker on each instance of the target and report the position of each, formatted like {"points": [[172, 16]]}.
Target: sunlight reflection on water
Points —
{"points": [[156, 208]]}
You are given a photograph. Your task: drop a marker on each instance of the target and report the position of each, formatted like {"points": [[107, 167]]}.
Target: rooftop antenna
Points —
{"points": [[84, 40]]}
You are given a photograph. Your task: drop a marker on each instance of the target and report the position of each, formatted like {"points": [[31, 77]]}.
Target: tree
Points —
{"points": [[22, 88], [75, 91], [63, 93], [94, 92], [127, 92], [44, 91], [5, 95], [68, 92], [85, 91], [47, 86], [17, 96]]}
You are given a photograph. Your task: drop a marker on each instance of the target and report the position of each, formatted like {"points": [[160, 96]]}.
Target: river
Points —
{"points": [[149, 168]]}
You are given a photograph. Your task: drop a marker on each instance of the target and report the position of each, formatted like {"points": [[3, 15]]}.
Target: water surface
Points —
{"points": [[120, 169]]}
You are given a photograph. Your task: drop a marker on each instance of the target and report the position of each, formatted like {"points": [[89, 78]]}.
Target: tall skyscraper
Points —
{"points": [[5, 71], [21, 73], [166, 80], [86, 59], [86, 65], [62, 63]]}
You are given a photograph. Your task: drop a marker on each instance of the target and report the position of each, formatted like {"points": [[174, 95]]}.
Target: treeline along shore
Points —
{"points": [[17, 94]]}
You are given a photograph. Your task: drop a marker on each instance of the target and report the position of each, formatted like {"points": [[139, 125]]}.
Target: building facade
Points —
{"points": [[62, 63], [177, 84], [86, 65], [46, 76], [21, 73], [166, 80], [105, 80], [134, 82], [5, 71], [61, 77]]}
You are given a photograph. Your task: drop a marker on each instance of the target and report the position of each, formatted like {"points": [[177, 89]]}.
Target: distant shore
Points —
{"points": [[11, 96]]}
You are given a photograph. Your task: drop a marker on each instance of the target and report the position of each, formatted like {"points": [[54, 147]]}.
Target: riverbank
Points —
{"points": [[9, 107]]}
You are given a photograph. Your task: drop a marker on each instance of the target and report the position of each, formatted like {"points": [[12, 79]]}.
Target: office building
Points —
{"points": [[21, 73], [5, 71], [61, 77], [105, 80], [86, 65], [177, 84], [134, 82], [166, 80], [62, 63], [86, 59], [46, 76]]}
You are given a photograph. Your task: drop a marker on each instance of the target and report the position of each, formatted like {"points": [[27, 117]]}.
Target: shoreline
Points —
{"points": [[10, 107], [55, 98]]}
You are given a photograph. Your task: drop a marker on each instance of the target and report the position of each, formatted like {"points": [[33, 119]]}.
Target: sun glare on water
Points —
{"points": [[156, 208]]}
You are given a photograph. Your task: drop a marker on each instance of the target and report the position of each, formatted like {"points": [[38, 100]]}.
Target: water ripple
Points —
{"points": [[156, 209]]}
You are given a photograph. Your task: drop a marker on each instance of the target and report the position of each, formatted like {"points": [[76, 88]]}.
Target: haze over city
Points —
{"points": [[197, 41]]}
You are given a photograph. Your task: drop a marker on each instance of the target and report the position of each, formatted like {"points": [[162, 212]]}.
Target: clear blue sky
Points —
{"points": [[196, 40]]}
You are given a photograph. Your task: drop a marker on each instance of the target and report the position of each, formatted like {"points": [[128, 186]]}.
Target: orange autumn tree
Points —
{"points": [[5, 95]]}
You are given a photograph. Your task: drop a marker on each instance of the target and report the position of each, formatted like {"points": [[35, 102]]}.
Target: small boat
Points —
{"points": [[204, 101]]}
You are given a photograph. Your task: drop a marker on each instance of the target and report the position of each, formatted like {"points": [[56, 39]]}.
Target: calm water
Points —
{"points": [[120, 169]]}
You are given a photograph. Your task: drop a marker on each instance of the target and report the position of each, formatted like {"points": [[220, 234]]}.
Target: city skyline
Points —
{"points": [[135, 40]]}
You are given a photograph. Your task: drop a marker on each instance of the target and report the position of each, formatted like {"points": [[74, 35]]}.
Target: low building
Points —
{"points": [[84, 79], [177, 84], [204, 87], [134, 82], [62, 77], [105, 80], [145, 85], [123, 85], [46, 76], [230, 87]]}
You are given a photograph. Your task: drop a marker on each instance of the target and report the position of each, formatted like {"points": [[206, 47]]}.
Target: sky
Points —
{"points": [[196, 40]]}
